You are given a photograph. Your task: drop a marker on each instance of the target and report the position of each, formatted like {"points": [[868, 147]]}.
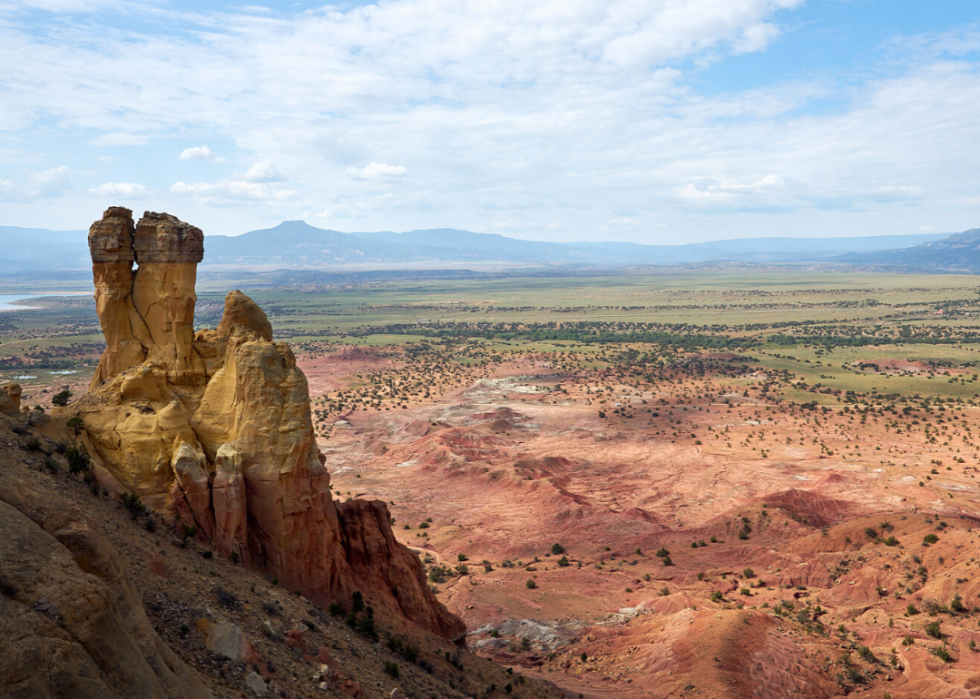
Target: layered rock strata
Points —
{"points": [[214, 429]]}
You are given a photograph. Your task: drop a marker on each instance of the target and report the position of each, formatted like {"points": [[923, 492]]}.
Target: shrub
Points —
{"points": [[335, 609], [225, 598], [932, 629], [357, 602], [930, 539], [76, 425], [748, 573], [78, 459], [911, 610], [563, 562], [365, 624], [557, 549], [391, 668], [7, 588], [61, 398], [531, 584], [33, 444], [942, 652], [134, 504], [667, 561]]}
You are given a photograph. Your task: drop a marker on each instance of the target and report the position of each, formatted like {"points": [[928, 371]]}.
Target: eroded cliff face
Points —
{"points": [[213, 429]]}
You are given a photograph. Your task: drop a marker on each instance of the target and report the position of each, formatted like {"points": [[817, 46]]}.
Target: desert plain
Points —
{"points": [[702, 484]]}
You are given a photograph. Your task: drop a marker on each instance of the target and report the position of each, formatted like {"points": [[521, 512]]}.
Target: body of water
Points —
{"points": [[6, 301]]}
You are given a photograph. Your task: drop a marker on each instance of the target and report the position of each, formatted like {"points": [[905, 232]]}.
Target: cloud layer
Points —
{"points": [[561, 119]]}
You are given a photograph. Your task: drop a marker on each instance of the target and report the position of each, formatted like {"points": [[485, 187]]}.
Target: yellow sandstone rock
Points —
{"points": [[214, 429]]}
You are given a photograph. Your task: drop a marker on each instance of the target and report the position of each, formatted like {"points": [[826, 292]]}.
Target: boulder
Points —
{"points": [[256, 684], [229, 641], [10, 399]]}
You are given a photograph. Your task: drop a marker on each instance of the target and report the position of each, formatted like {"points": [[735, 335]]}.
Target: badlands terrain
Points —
{"points": [[690, 485]]}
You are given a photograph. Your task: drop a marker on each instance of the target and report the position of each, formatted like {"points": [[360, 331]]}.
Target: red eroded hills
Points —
{"points": [[711, 548]]}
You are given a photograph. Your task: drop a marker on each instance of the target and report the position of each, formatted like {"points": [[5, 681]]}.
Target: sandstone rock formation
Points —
{"points": [[10, 398], [213, 428], [71, 625]]}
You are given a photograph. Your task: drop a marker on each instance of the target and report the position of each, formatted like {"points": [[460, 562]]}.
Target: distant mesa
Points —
{"points": [[213, 429]]}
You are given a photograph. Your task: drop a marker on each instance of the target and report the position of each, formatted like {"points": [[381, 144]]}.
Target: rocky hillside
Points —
{"points": [[102, 600]]}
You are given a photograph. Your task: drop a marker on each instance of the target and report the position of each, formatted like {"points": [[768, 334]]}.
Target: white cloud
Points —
{"points": [[201, 153], [124, 190], [896, 192], [52, 183], [228, 193], [376, 171], [263, 171], [707, 191], [547, 113], [62, 5], [120, 139], [8, 192]]}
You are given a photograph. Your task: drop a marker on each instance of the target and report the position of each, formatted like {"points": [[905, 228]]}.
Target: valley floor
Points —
{"points": [[708, 539]]}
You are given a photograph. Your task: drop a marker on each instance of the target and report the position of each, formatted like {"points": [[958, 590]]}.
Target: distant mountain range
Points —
{"points": [[959, 253], [298, 245]]}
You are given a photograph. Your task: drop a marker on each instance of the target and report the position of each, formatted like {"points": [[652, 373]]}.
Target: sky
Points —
{"points": [[651, 121]]}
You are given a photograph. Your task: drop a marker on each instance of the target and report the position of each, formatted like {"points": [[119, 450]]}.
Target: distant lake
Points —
{"points": [[7, 300]]}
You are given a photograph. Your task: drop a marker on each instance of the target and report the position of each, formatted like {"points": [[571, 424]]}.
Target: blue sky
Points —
{"points": [[659, 121]]}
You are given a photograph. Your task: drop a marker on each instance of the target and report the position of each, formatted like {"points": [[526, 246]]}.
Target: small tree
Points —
{"points": [[134, 504], [76, 425], [61, 398], [78, 459]]}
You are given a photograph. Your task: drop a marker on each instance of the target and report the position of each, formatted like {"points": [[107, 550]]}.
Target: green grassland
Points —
{"points": [[817, 326]]}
